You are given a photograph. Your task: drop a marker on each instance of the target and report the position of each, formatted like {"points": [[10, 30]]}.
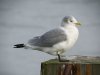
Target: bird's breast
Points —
{"points": [[72, 36]]}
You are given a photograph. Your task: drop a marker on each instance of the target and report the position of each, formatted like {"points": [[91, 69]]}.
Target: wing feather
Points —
{"points": [[49, 38]]}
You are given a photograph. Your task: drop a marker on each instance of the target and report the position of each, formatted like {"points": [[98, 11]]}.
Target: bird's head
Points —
{"points": [[69, 20]]}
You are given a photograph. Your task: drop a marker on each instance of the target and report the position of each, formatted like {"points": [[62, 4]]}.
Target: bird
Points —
{"points": [[56, 41]]}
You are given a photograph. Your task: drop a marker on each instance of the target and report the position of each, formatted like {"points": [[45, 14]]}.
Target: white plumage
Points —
{"points": [[71, 33], [56, 41]]}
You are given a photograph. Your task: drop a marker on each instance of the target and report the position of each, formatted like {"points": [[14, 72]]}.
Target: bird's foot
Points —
{"points": [[62, 59]]}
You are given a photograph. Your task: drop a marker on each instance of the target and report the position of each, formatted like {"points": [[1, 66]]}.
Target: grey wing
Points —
{"points": [[49, 38]]}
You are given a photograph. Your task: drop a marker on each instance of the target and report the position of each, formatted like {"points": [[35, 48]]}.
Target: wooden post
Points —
{"points": [[80, 65]]}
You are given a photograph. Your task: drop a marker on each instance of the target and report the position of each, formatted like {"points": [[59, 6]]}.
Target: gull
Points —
{"points": [[56, 41]]}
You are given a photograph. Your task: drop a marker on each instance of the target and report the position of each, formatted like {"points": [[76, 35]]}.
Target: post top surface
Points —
{"points": [[76, 60]]}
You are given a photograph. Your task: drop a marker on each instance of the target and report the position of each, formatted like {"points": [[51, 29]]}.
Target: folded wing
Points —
{"points": [[49, 38]]}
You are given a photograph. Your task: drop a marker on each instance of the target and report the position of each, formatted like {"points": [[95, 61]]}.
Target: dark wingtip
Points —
{"points": [[19, 46]]}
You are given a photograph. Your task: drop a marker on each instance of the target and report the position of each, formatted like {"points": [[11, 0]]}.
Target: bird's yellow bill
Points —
{"points": [[78, 24]]}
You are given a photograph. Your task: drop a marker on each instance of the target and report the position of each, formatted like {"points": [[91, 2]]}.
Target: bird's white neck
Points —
{"points": [[72, 34], [72, 29]]}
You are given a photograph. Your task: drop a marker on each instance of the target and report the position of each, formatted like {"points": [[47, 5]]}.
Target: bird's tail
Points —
{"points": [[19, 46]]}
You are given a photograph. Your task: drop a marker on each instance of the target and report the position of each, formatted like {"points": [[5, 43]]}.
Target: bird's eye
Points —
{"points": [[71, 21]]}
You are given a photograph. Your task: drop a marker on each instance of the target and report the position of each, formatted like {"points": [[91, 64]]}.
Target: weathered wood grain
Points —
{"points": [[78, 65]]}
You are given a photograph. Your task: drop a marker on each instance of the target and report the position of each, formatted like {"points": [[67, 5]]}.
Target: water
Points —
{"points": [[21, 20]]}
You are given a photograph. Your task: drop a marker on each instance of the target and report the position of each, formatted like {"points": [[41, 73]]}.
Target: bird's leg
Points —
{"points": [[59, 57], [61, 60], [58, 54]]}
